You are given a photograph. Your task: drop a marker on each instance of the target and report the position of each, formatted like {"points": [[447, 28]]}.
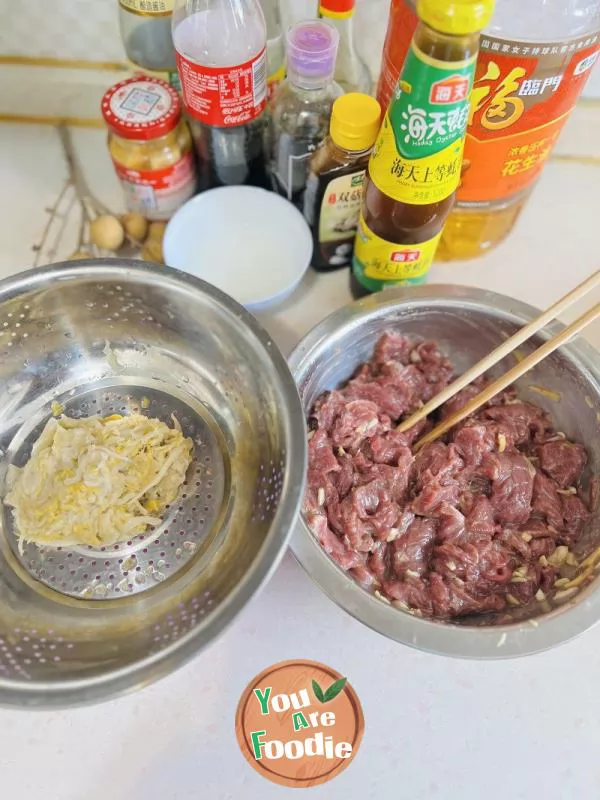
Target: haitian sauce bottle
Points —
{"points": [[415, 168]]}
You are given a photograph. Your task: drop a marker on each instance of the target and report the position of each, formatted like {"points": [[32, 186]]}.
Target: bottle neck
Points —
{"points": [[272, 20], [445, 46], [344, 26], [311, 87], [345, 152]]}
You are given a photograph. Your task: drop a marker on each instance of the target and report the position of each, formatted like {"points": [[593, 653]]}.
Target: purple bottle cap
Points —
{"points": [[312, 49]]}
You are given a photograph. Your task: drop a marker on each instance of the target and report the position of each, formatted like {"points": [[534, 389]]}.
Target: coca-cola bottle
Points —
{"points": [[222, 65]]}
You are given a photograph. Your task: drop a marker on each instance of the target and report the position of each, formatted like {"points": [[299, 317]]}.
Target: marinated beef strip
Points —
{"points": [[476, 522]]}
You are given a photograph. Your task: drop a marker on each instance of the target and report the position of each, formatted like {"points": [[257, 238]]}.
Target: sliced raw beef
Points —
{"points": [[471, 523]]}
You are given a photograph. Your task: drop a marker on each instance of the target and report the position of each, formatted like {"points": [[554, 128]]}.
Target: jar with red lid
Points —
{"points": [[150, 146]]}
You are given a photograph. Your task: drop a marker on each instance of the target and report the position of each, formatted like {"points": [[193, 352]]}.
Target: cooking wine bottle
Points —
{"points": [[415, 167]]}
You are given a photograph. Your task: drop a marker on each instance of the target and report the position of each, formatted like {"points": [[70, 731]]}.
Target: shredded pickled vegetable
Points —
{"points": [[98, 480]]}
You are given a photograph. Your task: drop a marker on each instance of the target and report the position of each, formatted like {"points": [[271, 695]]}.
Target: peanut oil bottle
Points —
{"points": [[415, 167], [531, 70]]}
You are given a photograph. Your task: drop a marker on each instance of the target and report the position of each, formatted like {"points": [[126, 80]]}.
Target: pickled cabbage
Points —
{"points": [[99, 480]]}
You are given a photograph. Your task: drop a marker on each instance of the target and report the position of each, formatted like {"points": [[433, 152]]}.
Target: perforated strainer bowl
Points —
{"points": [[106, 336]]}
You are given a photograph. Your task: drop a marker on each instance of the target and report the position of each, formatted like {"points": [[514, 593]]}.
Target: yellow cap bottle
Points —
{"points": [[355, 121], [456, 17], [336, 178]]}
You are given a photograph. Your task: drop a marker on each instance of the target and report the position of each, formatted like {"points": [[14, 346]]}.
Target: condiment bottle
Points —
{"points": [[415, 166], [531, 70], [150, 145], [221, 48], [351, 72], [275, 47], [146, 33], [302, 107], [337, 173]]}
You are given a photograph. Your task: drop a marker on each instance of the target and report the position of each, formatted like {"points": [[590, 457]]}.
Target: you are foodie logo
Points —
{"points": [[299, 723]]}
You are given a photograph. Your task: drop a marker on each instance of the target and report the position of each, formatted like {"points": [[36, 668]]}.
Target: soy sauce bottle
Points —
{"points": [[301, 109], [337, 173], [415, 167]]}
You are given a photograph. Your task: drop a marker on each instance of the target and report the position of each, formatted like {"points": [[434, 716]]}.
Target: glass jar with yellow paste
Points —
{"points": [[150, 146]]}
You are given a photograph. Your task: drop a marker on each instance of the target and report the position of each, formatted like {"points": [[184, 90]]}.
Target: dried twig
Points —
{"points": [[81, 187], [64, 219], [53, 214]]}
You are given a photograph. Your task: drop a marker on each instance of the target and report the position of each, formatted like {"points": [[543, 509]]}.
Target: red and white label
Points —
{"points": [[449, 90], [404, 256], [224, 96], [157, 194]]}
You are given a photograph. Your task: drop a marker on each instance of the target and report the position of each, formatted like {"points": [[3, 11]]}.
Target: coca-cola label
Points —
{"points": [[224, 96]]}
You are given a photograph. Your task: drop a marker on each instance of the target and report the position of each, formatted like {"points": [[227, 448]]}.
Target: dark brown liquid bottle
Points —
{"points": [[334, 188], [415, 166]]}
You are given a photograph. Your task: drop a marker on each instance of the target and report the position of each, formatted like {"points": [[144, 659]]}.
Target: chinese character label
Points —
{"points": [[521, 98], [159, 8], [379, 260], [417, 157]]}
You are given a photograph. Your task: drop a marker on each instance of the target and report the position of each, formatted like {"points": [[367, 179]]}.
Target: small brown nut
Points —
{"points": [[152, 251], [106, 232], [135, 225], [156, 231]]}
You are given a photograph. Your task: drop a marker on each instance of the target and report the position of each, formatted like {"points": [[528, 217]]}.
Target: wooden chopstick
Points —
{"points": [[511, 376], [501, 351]]}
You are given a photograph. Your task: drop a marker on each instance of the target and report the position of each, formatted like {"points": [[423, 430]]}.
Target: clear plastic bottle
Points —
{"points": [[222, 63], [275, 46], [534, 60], [351, 72], [302, 107]]}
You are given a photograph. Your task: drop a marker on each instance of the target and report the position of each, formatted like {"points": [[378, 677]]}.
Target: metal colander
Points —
{"points": [[107, 336]]}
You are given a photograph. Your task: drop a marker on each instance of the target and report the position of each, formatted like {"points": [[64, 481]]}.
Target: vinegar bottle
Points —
{"points": [[415, 166], [301, 109], [351, 72], [534, 60], [222, 63]]}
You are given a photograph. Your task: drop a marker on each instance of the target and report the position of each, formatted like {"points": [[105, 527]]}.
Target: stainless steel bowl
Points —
{"points": [[79, 624], [468, 323]]}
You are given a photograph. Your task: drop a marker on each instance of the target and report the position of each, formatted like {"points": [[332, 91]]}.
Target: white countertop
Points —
{"points": [[435, 727]]}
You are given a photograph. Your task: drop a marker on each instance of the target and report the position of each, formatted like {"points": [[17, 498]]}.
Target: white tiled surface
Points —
{"points": [[88, 29], [77, 29], [435, 728]]}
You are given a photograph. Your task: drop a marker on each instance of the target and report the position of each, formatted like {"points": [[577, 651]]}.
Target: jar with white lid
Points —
{"points": [[150, 146]]}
